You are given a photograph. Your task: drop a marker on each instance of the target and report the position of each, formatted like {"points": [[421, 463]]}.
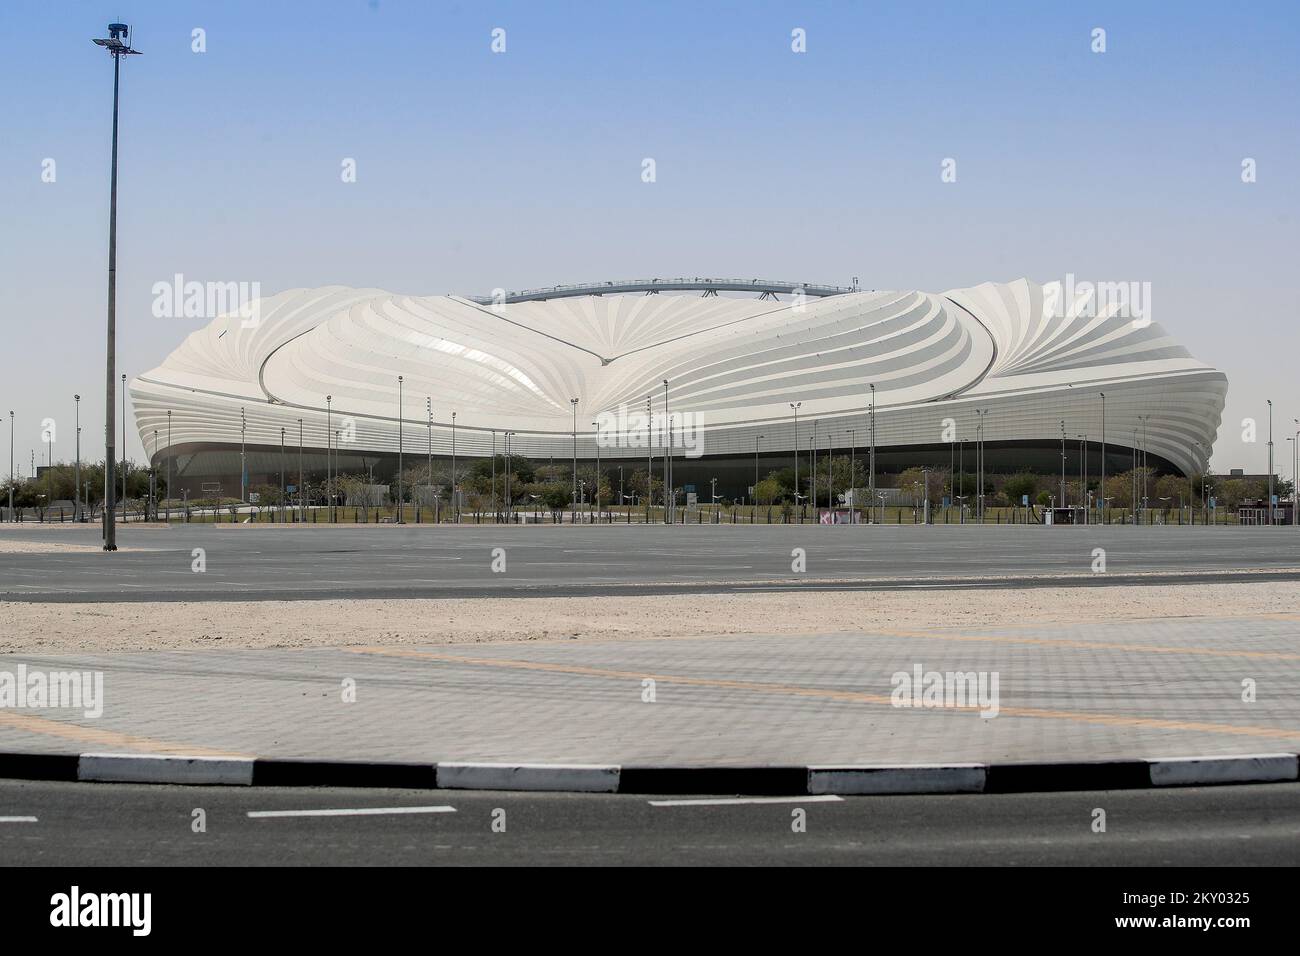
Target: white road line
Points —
{"points": [[17, 819], [735, 801], [356, 812]]}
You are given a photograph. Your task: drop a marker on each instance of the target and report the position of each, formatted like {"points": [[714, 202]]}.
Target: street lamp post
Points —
{"points": [[649, 455], [302, 501], [812, 470], [668, 475], [152, 509], [76, 470], [871, 457], [329, 450], [1271, 516], [1063, 501], [952, 466], [979, 463], [1144, 419], [1083, 480], [757, 439], [509, 502], [282, 503], [428, 412], [400, 458], [118, 46], [830, 474], [455, 499], [573, 403], [1101, 489], [596, 425], [124, 448], [796, 406], [169, 460], [853, 468], [1295, 462], [11, 466], [1292, 475], [243, 464], [1135, 476]]}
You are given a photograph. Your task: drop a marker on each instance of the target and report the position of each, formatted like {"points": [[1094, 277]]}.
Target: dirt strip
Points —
{"points": [[58, 627]]}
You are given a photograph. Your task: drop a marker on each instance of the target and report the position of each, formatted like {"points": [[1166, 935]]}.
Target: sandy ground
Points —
{"points": [[55, 628], [16, 545], [53, 547]]}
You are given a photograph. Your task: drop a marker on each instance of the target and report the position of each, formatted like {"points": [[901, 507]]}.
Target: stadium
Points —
{"points": [[746, 371]]}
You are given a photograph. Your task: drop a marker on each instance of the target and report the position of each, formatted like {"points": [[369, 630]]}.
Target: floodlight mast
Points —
{"points": [[118, 46]]}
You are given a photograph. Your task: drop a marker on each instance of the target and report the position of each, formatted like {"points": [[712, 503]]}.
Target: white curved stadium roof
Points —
{"points": [[736, 364]]}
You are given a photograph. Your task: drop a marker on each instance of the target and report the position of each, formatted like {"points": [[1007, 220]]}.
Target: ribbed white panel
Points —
{"points": [[735, 364]]}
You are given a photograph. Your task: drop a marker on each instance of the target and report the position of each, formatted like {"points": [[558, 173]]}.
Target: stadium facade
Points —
{"points": [[1018, 364]]}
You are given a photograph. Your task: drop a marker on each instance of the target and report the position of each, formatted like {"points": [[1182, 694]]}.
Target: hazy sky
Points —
{"points": [[478, 169]]}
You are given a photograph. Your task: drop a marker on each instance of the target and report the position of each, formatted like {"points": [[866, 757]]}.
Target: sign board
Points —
{"points": [[692, 500], [1024, 500], [689, 489]]}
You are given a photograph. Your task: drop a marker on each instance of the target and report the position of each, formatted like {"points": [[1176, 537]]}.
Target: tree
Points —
{"points": [[635, 483], [521, 469], [910, 482], [964, 484], [1175, 488], [1120, 488], [556, 496], [1020, 484], [784, 477], [266, 494], [359, 492], [1234, 491], [417, 479], [841, 476], [767, 491]]}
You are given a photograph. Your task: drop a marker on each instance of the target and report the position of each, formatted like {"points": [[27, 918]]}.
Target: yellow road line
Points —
{"points": [[107, 739], [1113, 720]]}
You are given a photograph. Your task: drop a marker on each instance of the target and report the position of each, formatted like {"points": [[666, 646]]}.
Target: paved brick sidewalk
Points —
{"points": [[1115, 690]]}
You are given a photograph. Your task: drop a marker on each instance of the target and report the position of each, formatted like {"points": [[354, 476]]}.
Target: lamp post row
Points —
{"points": [[1140, 450]]}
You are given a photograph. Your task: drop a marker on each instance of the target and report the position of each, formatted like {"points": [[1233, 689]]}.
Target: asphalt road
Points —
{"points": [[123, 825], [280, 563]]}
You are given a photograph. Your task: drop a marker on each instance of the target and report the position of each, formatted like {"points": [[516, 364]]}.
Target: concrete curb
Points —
{"points": [[842, 779], [150, 768]]}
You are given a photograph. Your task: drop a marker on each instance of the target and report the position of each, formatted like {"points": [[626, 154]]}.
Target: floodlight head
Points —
{"points": [[118, 42]]}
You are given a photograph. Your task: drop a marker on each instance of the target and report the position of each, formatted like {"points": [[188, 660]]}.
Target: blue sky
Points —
{"points": [[477, 170]]}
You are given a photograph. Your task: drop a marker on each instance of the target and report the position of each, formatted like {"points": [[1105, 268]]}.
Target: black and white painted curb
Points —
{"points": [[615, 778]]}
